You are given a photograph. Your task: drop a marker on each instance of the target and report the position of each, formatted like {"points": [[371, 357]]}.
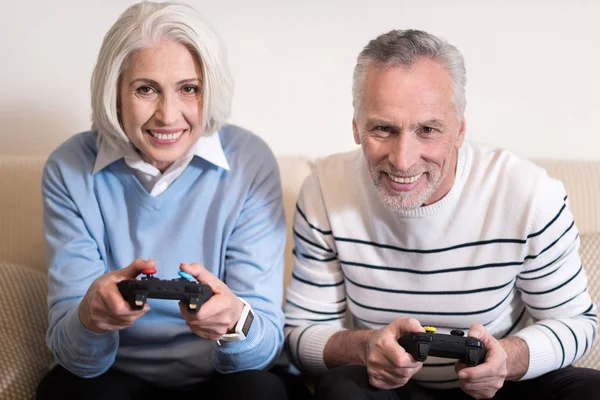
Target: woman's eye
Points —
{"points": [[145, 90], [190, 89]]}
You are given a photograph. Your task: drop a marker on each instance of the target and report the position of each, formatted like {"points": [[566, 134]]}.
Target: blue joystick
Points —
{"points": [[187, 276]]}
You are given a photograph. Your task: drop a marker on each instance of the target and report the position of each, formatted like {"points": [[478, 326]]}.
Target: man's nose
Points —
{"points": [[405, 151]]}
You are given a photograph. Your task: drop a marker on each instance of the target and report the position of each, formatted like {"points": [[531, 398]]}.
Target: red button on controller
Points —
{"points": [[149, 271]]}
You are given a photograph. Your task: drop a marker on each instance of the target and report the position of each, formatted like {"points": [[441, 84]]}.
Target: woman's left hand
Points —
{"points": [[219, 314]]}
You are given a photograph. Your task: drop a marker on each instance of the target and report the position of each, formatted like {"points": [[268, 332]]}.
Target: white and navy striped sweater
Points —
{"points": [[501, 249]]}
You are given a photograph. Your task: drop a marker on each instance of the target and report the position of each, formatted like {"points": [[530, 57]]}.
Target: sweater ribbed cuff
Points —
{"points": [[83, 352], [311, 345], [87, 340], [542, 357]]}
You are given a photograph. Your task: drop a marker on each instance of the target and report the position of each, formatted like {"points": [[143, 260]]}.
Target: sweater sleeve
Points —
{"points": [[74, 263], [316, 300], [553, 285], [254, 266]]}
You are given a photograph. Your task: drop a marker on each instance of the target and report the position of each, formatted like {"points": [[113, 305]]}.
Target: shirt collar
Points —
{"points": [[208, 147]]}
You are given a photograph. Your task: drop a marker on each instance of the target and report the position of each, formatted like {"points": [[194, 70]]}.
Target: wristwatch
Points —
{"points": [[242, 327]]}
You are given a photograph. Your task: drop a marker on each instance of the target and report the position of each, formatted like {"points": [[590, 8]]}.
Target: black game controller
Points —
{"points": [[186, 289], [468, 350]]}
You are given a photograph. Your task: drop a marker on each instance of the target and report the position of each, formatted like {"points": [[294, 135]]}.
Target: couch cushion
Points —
{"points": [[590, 257], [25, 356]]}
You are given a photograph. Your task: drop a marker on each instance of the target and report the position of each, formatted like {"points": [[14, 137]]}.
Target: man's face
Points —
{"points": [[410, 133]]}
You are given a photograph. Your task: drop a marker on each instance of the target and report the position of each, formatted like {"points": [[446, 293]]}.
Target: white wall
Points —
{"points": [[533, 68]]}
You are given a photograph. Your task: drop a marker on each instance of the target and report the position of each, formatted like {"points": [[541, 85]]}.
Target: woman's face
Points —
{"points": [[160, 102]]}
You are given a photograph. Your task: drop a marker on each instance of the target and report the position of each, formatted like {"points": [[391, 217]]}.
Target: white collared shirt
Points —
{"points": [[207, 147]]}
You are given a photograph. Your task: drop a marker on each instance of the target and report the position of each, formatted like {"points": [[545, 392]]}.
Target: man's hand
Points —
{"points": [[219, 314], [389, 366], [484, 380], [103, 308]]}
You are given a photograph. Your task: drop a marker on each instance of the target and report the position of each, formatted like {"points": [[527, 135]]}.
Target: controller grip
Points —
{"points": [[469, 351], [419, 350]]}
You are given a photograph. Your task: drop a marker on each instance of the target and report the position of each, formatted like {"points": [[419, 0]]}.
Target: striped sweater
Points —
{"points": [[501, 249]]}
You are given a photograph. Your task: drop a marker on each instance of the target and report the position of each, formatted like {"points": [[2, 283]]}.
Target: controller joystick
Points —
{"points": [[186, 276], [149, 272]]}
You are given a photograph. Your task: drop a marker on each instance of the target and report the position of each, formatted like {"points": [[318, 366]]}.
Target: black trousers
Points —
{"points": [[570, 383], [59, 383]]}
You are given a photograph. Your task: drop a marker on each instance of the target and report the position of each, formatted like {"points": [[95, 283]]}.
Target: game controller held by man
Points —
{"points": [[395, 353]]}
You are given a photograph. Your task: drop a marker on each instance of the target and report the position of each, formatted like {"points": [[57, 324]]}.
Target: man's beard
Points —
{"points": [[405, 201]]}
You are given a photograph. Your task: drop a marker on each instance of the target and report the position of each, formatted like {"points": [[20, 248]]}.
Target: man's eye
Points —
{"points": [[427, 129], [384, 128]]}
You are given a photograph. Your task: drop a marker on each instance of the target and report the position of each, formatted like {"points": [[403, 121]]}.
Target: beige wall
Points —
{"points": [[532, 68]]}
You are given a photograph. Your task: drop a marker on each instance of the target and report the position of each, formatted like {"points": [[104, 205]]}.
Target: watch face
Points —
{"points": [[247, 323]]}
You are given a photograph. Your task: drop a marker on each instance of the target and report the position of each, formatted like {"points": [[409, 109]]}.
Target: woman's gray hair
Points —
{"points": [[402, 48], [141, 26]]}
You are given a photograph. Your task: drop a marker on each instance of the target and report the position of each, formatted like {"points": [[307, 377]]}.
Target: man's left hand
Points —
{"points": [[485, 379]]}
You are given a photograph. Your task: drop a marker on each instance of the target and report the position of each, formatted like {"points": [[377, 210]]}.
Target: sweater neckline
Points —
{"points": [[174, 191]]}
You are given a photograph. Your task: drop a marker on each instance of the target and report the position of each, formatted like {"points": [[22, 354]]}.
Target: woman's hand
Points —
{"points": [[219, 314], [103, 308]]}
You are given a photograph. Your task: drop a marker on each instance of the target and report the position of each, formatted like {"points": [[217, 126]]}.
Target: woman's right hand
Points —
{"points": [[103, 308]]}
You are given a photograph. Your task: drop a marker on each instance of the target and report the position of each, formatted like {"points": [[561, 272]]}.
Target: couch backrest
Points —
{"points": [[21, 239], [582, 182], [293, 172]]}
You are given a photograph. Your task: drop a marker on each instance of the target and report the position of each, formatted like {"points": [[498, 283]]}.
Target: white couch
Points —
{"points": [[24, 357]]}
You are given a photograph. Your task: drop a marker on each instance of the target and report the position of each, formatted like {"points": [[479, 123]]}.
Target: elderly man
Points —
{"points": [[424, 228]]}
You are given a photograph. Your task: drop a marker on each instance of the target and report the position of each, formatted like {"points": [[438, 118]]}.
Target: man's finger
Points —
{"points": [[403, 326], [477, 331], [482, 371], [397, 357]]}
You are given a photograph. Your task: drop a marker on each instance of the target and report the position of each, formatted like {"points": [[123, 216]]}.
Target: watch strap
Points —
{"points": [[242, 327]]}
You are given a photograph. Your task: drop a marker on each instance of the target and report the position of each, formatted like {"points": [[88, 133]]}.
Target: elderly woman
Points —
{"points": [[161, 185]]}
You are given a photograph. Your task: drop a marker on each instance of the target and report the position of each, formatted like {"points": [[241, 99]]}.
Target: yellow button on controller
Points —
{"points": [[430, 329]]}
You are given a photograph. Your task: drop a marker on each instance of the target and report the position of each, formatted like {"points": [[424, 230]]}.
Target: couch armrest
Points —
{"points": [[25, 355]]}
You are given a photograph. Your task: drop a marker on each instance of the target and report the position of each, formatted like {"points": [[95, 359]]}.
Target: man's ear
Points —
{"points": [[355, 130], [460, 138]]}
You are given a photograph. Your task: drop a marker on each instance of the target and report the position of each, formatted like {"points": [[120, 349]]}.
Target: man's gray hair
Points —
{"points": [[402, 48], [144, 25]]}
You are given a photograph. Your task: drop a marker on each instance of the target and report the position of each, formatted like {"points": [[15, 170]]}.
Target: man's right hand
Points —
{"points": [[103, 308], [389, 366]]}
